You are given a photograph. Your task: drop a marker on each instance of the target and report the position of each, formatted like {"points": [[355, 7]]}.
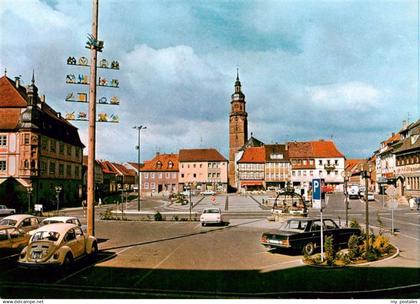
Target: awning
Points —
{"points": [[23, 182], [251, 183]]}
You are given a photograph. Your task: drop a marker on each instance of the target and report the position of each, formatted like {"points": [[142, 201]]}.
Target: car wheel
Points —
{"points": [[309, 249], [203, 224], [68, 260], [94, 250]]}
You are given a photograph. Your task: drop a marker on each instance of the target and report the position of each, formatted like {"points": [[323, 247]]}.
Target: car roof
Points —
{"points": [[3, 227], [60, 218], [18, 217], [58, 227], [213, 208]]}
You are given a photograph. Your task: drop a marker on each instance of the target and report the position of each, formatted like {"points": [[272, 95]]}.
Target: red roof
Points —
{"points": [[253, 155], [351, 164], [200, 155], [162, 162], [123, 170], [313, 149], [9, 118], [10, 96], [107, 167], [135, 165]]}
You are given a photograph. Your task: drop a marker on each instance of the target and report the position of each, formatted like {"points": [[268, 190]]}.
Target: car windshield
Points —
{"points": [[211, 211], [294, 225], [8, 222], [45, 236]]}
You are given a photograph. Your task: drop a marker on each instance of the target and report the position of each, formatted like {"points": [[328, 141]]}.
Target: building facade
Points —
{"points": [[159, 176], [407, 157], [238, 128], [39, 150], [203, 169], [251, 169], [278, 170]]}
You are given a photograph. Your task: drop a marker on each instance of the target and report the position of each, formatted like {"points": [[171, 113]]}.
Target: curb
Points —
{"points": [[355, 265]]}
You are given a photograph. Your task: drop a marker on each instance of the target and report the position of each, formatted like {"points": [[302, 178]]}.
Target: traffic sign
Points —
{"points": [[391, 191], [393, 204], [316, 193]]}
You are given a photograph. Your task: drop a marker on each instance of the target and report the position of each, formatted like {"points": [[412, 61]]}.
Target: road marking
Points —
{"points": [[396, 221], [125, 249], [411, 213]]}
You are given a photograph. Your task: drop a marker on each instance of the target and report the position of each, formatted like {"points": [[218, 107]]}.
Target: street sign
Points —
{"points": [[391, 191], [316, 193]]}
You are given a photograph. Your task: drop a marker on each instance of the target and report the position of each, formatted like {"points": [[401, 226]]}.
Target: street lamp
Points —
{"points": [[346, 175], [29, 189], [139, 128], [58, 190]]}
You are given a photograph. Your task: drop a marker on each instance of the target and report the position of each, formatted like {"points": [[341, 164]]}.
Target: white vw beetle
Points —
{"points": [[57, 244]]}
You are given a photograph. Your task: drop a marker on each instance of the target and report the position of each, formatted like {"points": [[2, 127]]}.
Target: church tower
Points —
{"points": [[238, 128]]}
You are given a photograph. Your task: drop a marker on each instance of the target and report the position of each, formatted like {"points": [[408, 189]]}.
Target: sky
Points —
{"points": [[346, 70]]}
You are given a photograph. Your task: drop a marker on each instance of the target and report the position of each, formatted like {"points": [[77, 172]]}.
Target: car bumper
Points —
{"points": [[272, 244]]}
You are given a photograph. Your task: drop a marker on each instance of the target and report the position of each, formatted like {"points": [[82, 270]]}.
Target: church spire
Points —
{"points": [[33, 77], [237, 82]]}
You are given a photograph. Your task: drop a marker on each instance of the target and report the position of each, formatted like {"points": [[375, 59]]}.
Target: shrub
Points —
{"points": [[107, 214], [344, 258], [158, 216], [381, 245], [354, 224], [329, 250], [354, 247]]}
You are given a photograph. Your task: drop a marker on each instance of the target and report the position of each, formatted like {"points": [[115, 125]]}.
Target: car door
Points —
{"points": [[72, 242], [5, 242], [25, 225], [331, 229], [18, 238], [315, 232], [81, 240]]}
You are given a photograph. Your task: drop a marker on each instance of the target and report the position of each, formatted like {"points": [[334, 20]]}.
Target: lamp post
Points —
{"points": [[139, 128], [29, 189], [366, 174], [346, 175], [58, 190]]}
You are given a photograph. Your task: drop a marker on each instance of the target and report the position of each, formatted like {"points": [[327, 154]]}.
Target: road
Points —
{"points": [[182, 259]]}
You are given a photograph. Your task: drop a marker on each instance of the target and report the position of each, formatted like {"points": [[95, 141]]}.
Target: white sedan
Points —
{"points": [[208, 192], [6, 211], [211, 216]]}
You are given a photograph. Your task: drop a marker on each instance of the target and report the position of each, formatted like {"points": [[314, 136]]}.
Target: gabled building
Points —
{"points": [[39, 150], [386, 161], [316, 159], [251, 169], [127, 177], [136, 167], [203, 169], [111, 179], [407, 157], [99, 178], [159, 176], [278, 169]]}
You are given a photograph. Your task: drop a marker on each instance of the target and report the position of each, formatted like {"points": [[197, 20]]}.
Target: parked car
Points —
{"points": [[6, 211], [371, 196], [353, 191], [12, 240], [63, 219], [57, 245], [211, 216], [304, 234], [21, 221], [208, 192]]}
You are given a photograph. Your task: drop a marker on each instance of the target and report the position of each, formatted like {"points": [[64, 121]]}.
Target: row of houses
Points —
{"points": [[397, 161]]}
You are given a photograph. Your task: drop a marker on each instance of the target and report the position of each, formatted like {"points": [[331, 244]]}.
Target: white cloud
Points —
{"points": [[351, 95]]}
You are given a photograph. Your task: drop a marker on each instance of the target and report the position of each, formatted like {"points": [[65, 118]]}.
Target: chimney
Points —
{"points": [[42, 99], [17, 81], [404, 124], [157, 153], [393, 133], [59, 114]]}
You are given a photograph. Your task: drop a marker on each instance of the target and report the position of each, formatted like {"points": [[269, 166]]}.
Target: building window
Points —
{"points": [[52, 168], [152, 175], [152, 186], [26, 139], [146, 185], [201, 165], [3, 140], [167, 174], [2, 165], [173, 175], [52, 145], [44, 143], [170, 164], [209, 176], [68, 171], [182, 175], [61, 169], [69, 150], [194, 165], [194, 175], [320, 172], [336, 172], [182, 166], [146, 175], [160, 175], [77, 152], [311, 162], [320, 161], [61, 148], [43, 167], [336, 162]]}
